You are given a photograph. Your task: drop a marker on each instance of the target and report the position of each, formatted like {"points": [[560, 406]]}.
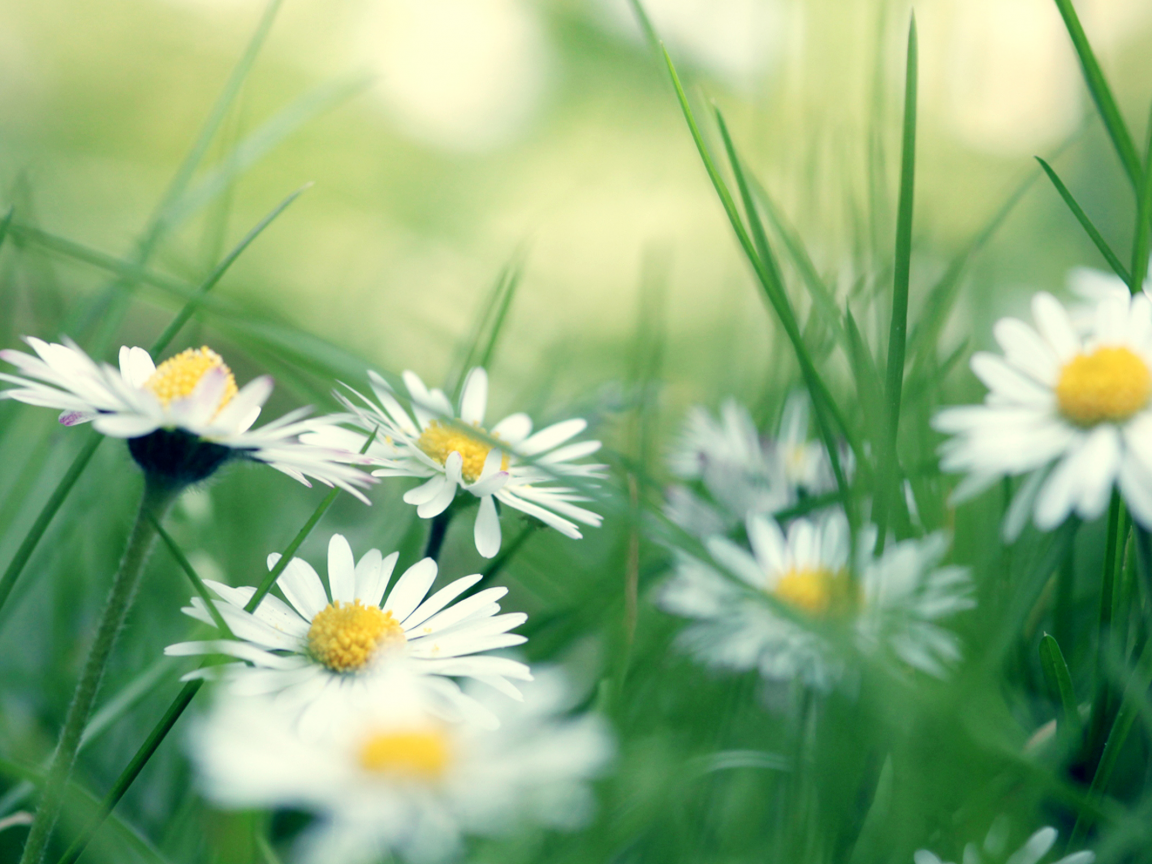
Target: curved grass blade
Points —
{"points": [[490, 321], [1140, 243], [1059, 680], [1091, 230], [887, 493], [1102, 94], [197, 583]]}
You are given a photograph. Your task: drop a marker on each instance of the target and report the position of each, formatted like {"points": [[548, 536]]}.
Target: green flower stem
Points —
{"points": [[438, 532], [155, 502]]}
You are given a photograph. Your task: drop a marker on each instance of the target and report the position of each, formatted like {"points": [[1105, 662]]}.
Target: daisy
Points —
{"points": [[893, 606], [742, 472], [1070, 411], [310, 646], [992, 851], [455, 452], [389, 776], [183, 419]]}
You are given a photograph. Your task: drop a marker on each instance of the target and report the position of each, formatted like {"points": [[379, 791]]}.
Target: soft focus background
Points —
{"points": [[448, 140]]}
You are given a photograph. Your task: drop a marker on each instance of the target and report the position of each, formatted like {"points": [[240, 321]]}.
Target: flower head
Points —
{"points": [[1072, 411], [311, 645], [389, 775], [455, 451], [183, 419], [893, 603], [993, 851]]}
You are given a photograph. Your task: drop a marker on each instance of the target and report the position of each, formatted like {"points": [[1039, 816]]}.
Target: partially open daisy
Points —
{"points": [[893, 603], [994, 850], [183, 419], [312, 644], [388, 776], [456, 452], [1071, 411]]}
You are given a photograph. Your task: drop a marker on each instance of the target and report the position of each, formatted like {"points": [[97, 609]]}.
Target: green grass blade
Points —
{"points": [[490, 321], [1059, 679], [1093, 233], [47, 514], [769, 271], [197, 583], [1140, 243], [1101, 94], [208, 284], [888, 491], [6, 224], [645, 24]]}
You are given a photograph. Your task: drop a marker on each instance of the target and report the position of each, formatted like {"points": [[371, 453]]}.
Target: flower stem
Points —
{"points": [[438, 532], [153, 505]]}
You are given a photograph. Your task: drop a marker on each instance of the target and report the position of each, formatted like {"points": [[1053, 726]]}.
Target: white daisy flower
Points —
{"points": [[183, 418], [440, 445], [741, 471], [1071, 411], [310, 646], [992, 851], [389, 776], [894, 605]]}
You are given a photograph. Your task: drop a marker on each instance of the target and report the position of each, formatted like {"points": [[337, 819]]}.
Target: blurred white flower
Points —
{"points": [[742, 472], [312, 647], [1070, 410], [460, 74], [183, 419], [389, 776], [894, 603], [992, 851], [440, 445]]}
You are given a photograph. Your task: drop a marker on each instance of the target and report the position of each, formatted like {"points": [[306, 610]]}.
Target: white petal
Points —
{"points": [[303, 588], [341, 569], [474, 397], [411, 588], [487, 528], [514, 428], [552, 436]]}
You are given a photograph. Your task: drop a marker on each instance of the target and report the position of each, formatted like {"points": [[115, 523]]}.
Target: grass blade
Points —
{"points": [[1059, 680], [889, 488], [1093, 233], [208, 284], [1143, 218], [1102, 94], [197, 583], [490, 321]]}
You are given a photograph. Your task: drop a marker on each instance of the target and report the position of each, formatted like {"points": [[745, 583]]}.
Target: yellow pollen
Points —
{"points": [[810, 591], [1110, 384], [345, 636], [178, 376], [419, 753], [441, 440]]}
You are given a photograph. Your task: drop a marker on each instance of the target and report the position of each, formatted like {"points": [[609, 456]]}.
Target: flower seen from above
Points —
{"points": [[311, 645], [455, 452], [893, 603], [390, 776], [1071, 411], [183, 419]]}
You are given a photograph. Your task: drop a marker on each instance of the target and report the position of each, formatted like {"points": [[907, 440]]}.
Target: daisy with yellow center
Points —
{"points": [[183, 419], [1069, 409], [340, 635], [389, 778], [892, 605], [453, 451]]}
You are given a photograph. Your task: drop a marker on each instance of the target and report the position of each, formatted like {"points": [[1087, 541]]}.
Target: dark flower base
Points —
{"points": [[177, 458]]}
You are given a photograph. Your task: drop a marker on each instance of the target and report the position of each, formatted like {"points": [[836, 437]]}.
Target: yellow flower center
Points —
{"points": [[421, 753], [178, 376], [1108, 385], [441, 440], [345, 636], [811, 591]]}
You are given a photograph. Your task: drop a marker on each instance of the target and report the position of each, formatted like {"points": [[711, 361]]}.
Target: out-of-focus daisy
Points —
{"points": [[183, 419], [311, 645], [993, 850], [456, 453], [741, 471], [389, 776], [1070, 411], [894, 603], [1093, 286]]}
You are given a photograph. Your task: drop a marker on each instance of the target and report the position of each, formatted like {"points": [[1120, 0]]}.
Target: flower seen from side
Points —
{"points": [[183, 419], [893, 603], [389, 776], [993, 851], [1070, 412], [310, 646], [452, 450]]}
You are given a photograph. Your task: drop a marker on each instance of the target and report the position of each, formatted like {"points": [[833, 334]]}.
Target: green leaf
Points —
{"points": [[197, 583], [888, 492], [1059, 680], [1086, 223], [1140, 244], [1102, 94]]}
